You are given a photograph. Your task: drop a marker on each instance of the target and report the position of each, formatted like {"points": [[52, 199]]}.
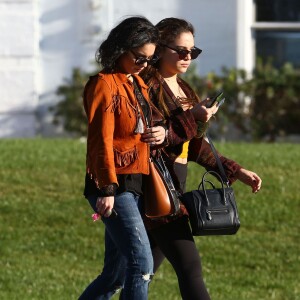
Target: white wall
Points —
{"points": [[66, 31], [18, 68], [245, 42], [216, 30], [42, 41], [215, 22]]}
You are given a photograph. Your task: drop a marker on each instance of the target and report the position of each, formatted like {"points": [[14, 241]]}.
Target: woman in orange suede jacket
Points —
{"points": [[122, 151], [121, 125]]}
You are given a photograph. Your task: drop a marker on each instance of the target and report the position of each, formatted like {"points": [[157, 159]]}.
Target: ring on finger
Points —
{"points": [[108, 213]]}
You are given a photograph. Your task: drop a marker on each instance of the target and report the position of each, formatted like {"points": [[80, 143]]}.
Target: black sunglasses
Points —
{"points": [[182, 53], [140, 60]]}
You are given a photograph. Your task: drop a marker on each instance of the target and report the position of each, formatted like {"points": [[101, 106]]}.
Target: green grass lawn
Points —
{"points": [[51, 249]]}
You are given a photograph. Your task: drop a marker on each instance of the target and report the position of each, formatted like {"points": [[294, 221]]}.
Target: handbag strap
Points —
{"points": [[220, 166], [143, 102], [160, 164]]}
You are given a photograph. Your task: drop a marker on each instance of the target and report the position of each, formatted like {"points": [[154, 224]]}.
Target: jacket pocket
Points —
{"points": [[125, 158]]}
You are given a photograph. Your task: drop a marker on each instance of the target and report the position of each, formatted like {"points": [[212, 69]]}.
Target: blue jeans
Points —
{"points": [[128, 261]]}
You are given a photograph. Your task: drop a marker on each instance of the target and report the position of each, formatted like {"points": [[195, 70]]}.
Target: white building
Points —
{"points": [[42, 41]]}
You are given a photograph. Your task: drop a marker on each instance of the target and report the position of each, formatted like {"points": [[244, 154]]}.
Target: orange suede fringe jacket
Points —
{"points": [[112, 146]]}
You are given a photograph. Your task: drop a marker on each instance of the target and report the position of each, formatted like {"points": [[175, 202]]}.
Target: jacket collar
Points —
{"points": [[121, 78]]}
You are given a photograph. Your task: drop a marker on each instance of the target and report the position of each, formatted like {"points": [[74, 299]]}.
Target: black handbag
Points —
{"points": [[212, 211]]}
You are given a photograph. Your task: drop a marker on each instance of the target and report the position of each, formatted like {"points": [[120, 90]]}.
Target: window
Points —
{"points": [[281, 46], [277, 31], [277, 10]]}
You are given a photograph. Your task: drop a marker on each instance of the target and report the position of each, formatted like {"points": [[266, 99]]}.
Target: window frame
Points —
{"points": [[270, 26]]}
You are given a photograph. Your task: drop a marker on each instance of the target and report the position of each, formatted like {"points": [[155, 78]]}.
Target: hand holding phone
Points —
{"points": [[218, 98]]}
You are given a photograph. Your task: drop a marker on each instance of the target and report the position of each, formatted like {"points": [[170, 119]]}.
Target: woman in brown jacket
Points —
{"points": [[172, 237], [121, 125]]}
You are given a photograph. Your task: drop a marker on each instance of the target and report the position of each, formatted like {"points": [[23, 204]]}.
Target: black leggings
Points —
{"points": [[174, 241], [181, 173]]}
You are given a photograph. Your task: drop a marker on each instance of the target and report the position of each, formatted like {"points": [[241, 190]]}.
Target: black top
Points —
{"points": [[127, 183]]}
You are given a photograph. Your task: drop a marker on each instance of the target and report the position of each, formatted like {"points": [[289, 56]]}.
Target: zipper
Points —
{"points": [[210, 212]]}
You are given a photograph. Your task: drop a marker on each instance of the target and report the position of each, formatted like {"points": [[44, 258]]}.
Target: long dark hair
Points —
{"points": [[169, 30], [132, 32]]}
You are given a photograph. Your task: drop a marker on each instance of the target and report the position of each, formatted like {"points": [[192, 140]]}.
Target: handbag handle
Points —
{"points": [[205, 180], [222, 174]]}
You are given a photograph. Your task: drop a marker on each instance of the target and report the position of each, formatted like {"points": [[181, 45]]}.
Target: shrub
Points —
{"points": [[69, 111], [264, 106]]}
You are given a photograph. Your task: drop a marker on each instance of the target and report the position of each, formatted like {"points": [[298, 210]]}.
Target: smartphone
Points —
{"points": [[220, 102], [217, 98]]}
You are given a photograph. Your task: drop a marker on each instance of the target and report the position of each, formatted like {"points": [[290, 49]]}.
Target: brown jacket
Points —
{"points": [[185, 128], [112, 146]]}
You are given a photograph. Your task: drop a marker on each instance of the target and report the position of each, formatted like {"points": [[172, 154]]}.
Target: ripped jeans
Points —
{"points": [[128, 261]]}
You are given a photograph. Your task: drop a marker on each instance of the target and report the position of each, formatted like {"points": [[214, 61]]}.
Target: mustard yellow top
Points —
{"points": [[185, 149]]}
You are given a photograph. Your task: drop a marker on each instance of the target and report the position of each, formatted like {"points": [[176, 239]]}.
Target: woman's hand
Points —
{"points": [[203, 113], [250, 178], [154, 135], [105, 205]]}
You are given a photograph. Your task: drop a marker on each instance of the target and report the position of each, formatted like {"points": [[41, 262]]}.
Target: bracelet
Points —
{"points": [[108, 190]]}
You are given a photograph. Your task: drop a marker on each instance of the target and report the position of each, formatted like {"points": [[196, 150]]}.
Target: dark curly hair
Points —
{"points": [[132, 32]]}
